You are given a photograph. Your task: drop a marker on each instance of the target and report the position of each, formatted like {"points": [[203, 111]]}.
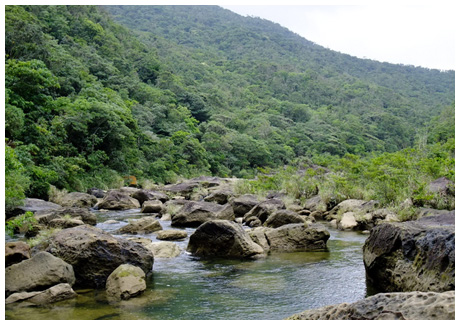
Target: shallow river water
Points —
{"points": [[186, 287]]}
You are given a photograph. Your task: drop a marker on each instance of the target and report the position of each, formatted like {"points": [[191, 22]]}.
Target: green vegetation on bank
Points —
{"points": [[182, 92]]}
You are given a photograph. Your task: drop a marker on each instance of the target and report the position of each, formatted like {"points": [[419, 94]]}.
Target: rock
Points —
{"points": [[59, 292], [147, 195], [315, 203], [39, 272], [243, 204], [111, 222], [297, 238], [442, 186], [193, 214], [257, 235], [78, 200], [219, 197], [347, 222], [317, 215], [350, 205], [65, 223], [16, 252], [35, 205], [94, 254], [164, 249], [125, 282], [264, 209], [128, 190], [222, 238], [413, 255], [44, 217], [389, 306], [140, 240], [143, 225], [208, 181], [117, 200], [183, 189], [171, 234], [283, 217], [98, 193], [153, 206], [429, 212]]}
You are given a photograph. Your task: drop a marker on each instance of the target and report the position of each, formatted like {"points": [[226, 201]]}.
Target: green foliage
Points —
{"points": [[20, 224], [17, 181]]}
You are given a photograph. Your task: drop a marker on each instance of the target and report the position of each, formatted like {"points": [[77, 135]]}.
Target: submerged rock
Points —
{"points": [[223, 238], [59, 292], [125, 282], [389, 306], [164, 249], [39, 272], [413, 255], [94, 254]]}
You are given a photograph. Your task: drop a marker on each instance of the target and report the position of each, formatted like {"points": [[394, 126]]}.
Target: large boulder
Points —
{"points": [[243, 204], [389, 306], [118, 200], [193, 214], [184, 189], [283, 217], [297, 238], [39, 272], [78, 200], [94, 254], [413, 255], [59, 292], [148, 195], [145, 225], [263, 210], [16, 252], [442, 186], [221, 196], [125, 282], [45, 217], [315, 203], [223, 238], [98, 193]]}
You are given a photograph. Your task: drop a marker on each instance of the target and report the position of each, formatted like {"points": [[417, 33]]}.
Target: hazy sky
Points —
{"points": [[420, 35]]}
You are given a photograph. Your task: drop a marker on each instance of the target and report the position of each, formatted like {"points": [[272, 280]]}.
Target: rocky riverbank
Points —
{"points": [[227, 226]]}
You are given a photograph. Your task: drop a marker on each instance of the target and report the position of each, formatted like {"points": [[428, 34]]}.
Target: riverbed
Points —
{"points": [[186, 287]]}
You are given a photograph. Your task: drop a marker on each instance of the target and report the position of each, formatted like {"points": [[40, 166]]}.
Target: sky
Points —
{"points": [[419, 35]]}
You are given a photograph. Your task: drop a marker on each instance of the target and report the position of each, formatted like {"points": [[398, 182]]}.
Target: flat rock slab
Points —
{"points": [[389, 306]]}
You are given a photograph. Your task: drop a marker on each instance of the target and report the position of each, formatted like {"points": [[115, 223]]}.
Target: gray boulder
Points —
{"points": [[39, 272], [193, 214], [223, 238], [389, 306], [98, 193], [125, 282], [118, 200], [78, 200], [413, 255], [184, 189], [148, 195], [143, 225], [264, 209], [94, 254], [297, 238], [243, 204], [283, 217], [35, 205], [59, 292]]}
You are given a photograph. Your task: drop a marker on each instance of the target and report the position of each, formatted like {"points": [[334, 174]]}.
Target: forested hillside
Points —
{"points": [[186, 91]]}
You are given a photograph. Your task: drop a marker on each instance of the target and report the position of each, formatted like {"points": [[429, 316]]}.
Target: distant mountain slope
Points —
{"points": [[257, 67]]}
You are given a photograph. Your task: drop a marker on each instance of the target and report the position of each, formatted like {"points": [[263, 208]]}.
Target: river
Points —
{"points": [[188, 288]]}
